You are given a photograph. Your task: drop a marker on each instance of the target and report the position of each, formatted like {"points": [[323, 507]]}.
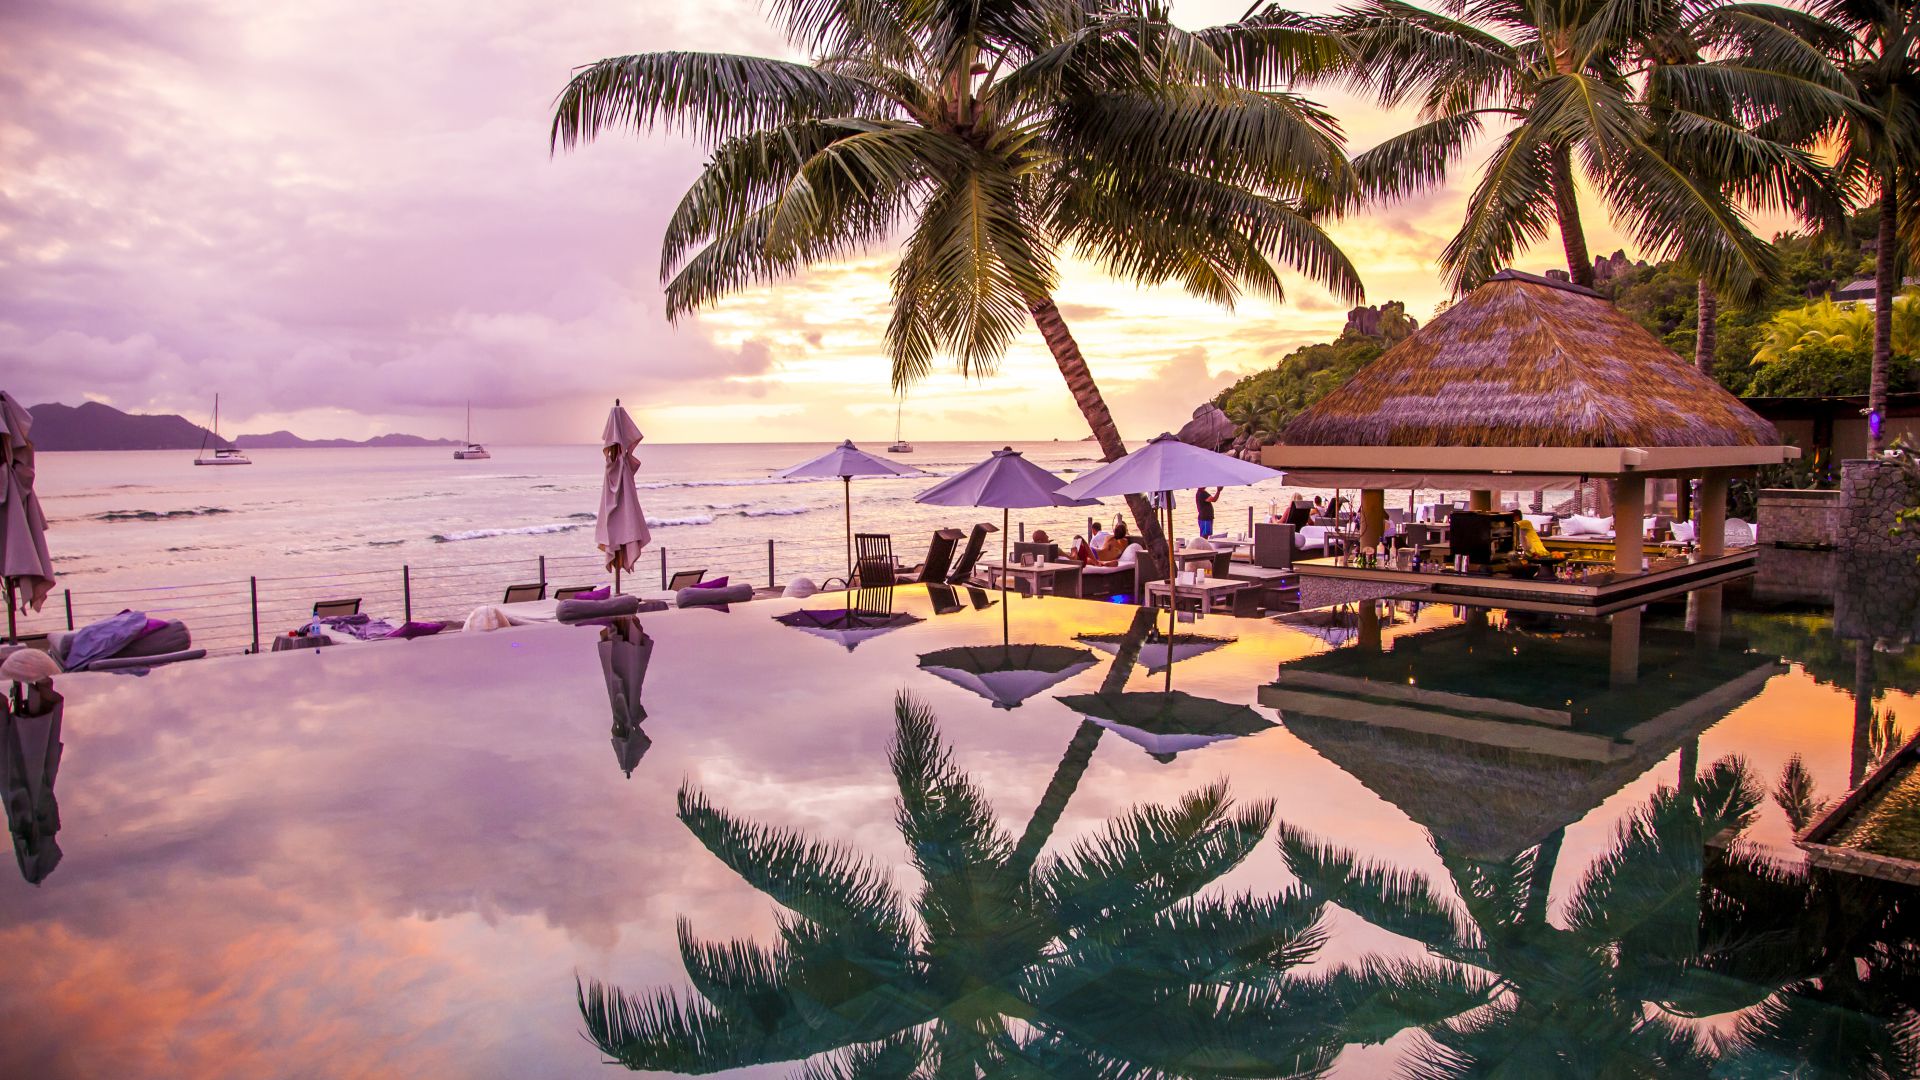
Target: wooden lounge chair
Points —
{"points": [[873, 564], [939, 558], [685, 579], [520, 594], [945, 599], [327, 609], [976, 540], [570, 591]]}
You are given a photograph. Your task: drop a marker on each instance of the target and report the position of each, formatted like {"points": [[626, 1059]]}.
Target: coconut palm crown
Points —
{"points": [[1593, 87], [989, 139]]}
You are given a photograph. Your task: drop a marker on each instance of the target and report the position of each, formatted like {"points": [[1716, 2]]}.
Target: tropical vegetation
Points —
{"points": [[1261, 404]]}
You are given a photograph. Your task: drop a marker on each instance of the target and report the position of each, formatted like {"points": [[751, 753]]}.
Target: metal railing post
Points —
{"points": [[770, 578], [406, 589], [543, 575], [253, 602], [1249, 521], [663, 566], [1023, 532], [69, 598]]}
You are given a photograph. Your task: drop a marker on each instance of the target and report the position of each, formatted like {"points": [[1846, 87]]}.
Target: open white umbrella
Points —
{"points": [[1158, 652], [25, 566], [847, 461], [847, 627], [1163, 466], [620, 527], [1006, 480], [1164, 724], [1007, 674]]}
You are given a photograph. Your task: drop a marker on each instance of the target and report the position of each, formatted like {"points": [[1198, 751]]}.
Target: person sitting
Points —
{"points": [[1040, 536], [1109, 553], [1081, 552]]}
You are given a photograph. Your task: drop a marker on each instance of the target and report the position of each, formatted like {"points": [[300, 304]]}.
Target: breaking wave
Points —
{"points": [[777, 511], [160, 515], [523, 530]]}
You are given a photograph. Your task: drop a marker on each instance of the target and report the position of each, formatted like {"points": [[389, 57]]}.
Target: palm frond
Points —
{"points": [[1417, 159], [1509, 209], [1396, 900], [710, 96]]}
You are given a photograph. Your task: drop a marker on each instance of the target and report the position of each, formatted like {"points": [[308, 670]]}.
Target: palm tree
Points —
{"points": [[1607, 994], [1559, 79], [994, 136], [1101, 961], [1880, 148]]}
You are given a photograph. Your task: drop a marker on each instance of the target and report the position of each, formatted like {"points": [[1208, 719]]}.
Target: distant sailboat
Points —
{"points": [[473, 451], [900, 445], [224, 452]]}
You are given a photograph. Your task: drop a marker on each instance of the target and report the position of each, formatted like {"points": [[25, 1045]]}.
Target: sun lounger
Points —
{"points": [[1122, 578], [976, 540], [520, 594], [169, 644], [323, 609]]}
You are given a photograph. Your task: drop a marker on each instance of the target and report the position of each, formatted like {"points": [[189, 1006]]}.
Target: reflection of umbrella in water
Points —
{"points": [[871, 616], [29, 761], [1166, 722], [1007, 674], [1335, 626], [1158, 652], [625, 649]]}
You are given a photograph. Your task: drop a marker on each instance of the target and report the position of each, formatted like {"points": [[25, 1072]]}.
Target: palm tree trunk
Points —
{"points": [[1884, 286], [1073, 764], [1073, 367], [1566, 206], [1706, 335]]}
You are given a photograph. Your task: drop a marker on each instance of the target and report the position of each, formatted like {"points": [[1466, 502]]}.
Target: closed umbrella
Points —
{"points": [[25, 566], [847, 461], [625, 649], [1006, 480], [620, 528], [29, 763], [1163, 466]]}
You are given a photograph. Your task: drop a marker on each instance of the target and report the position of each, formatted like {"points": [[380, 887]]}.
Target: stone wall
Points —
{"points": [[1872, 494], [1801, 519]]}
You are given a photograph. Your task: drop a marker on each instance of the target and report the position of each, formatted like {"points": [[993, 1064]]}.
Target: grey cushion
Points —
{"points": [[737, 593], [611, 607], [128, 663], [171, 638]]}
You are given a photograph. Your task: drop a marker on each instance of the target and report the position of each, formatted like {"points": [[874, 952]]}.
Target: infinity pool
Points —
{"points": [[1035, 838]]}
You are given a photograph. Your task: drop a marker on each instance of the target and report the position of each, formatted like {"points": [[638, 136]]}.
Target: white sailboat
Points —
{"points": [[224, 452], [473, 451], [900, 445]]}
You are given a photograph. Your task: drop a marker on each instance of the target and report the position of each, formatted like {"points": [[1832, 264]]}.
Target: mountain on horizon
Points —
{"points": [[93, 426]]}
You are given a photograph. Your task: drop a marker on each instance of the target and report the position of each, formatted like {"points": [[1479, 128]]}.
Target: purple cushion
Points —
{"points": [[152, 625], [600, 593], [418, 629], [716, 583]]}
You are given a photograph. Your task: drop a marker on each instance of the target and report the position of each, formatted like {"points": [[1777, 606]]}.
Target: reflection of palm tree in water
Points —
{"points": [[1100, 961], [1612, 992]]}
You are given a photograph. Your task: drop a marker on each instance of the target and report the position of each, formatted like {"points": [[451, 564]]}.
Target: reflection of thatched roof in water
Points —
{"points": [[1486, 802], [1523, 361]]}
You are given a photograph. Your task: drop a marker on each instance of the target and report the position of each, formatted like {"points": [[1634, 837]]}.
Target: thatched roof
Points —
{"points": [[1524, 361]]}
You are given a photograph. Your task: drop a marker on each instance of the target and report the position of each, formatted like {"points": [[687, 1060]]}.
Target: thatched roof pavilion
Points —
{"points": [[1527, 383]]}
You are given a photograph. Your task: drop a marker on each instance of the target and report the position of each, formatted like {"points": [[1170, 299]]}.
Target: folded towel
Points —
{"points": [[575, 610], [412, 630], [97, 641]]}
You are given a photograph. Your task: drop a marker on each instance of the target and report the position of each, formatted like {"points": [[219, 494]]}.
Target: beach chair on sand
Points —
{"points": [[873, 563], [327, 609], [976, 540], [520, 594], [939, 558]]}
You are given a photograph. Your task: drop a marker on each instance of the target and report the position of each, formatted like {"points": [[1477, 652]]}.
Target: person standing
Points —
{"points": [[1203, 506]]}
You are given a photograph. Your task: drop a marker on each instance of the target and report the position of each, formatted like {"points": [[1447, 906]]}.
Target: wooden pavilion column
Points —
{"points": [[1629, 517], [1711, 515], [1373, 517], [1704, 608], [1480, 500], [1624, 654]]}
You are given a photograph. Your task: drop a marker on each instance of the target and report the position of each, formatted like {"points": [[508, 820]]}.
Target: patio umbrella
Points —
{"points": [[1163, 466], [25, 566], [847, 461], [845, 626], [1006, 480], [29, 762], [625, 649], [1159, 651], [620, 528], [1166, 723], [1007, 675]]}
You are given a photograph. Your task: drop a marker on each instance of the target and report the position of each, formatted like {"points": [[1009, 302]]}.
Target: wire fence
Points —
{"points": [[244, 614]]}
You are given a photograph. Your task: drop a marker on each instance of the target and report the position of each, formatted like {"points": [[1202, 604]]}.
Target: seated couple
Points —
{"points": [[1106, 548]]}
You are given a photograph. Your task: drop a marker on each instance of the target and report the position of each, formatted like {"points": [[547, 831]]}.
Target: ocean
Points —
{"points": [[151, 531]]}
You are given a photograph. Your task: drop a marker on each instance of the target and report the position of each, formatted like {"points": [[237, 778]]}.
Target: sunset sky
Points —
{"points": [[342, 216]]}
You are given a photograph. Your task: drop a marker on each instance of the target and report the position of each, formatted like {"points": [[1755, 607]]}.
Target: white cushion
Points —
{"points": [[1539, 522], [801, 586], [1129, 557], [1683, 531], [1200, 544], [1578, 525]]}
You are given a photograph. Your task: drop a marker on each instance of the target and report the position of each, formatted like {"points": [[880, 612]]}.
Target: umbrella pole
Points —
{"points": [[13, 637], [1173, 598], [616, 577], [846, 485], [1005, 517]]}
